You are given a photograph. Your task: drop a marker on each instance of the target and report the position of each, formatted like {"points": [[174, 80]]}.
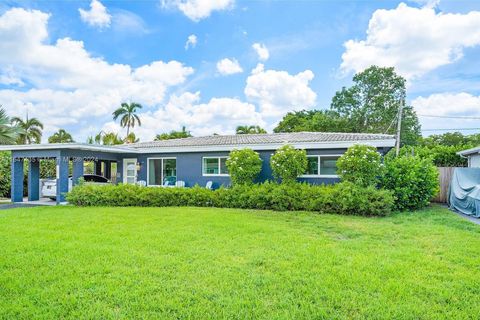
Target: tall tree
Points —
{"points": [[370, 105], [8, 133], [128, 115], [250, 130], [174, 135], [31, 130], [61, 136]]}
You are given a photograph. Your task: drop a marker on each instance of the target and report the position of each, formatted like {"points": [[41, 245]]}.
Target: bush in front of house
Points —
{"points": [[288, 163], [243, 166], [412, 179], [360, 164], [342, 198]]}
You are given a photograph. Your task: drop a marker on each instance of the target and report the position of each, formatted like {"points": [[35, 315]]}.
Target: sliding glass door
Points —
{"points": [[162, 171]]}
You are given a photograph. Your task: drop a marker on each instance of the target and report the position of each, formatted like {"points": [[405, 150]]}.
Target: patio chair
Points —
{"points": [[180, 184], [209, 185]]}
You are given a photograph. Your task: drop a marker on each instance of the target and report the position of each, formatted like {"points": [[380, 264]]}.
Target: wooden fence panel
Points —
{"points": [[445, 177]]}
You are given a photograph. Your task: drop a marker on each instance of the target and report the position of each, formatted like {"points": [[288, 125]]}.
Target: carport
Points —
{"points": [[64, 155]]}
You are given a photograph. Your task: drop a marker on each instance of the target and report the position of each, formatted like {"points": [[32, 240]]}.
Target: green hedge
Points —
{"points": [[342, 198]]}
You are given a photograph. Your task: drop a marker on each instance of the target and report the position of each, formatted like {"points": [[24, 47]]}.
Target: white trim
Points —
{"points": [[161, 172], [75, 146], [181, 149], [219, 167], [269, 146], [124, 169], [320, 175]]}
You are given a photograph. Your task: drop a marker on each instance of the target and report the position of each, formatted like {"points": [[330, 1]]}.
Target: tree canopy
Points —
{"points": [[250, 130], [128, 115], [31, 130], [174, 135], [8, 133], [61, 136], [370, 105]]}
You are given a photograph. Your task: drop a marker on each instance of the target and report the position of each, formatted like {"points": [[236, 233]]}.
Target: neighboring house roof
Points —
{"points": [[468, 152], [302, 140]]}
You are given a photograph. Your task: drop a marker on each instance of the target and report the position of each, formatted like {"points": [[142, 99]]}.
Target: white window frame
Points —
{"points": [[161, 172], [219, 167], [320, 175]]}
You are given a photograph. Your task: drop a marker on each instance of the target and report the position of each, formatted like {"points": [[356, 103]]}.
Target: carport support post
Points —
{"points": [[108, 170], [62, 178], [33, 179], [98, 167], [77, 170], [17, 180]]}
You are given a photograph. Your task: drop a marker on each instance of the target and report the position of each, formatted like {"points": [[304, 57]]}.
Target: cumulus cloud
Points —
{"points": [[222, 115], [413, 40], [65, 79], [191, 42], [197, 10], [261, 51], [228, 66], [277, 92], [97, 16], [447, 104]]}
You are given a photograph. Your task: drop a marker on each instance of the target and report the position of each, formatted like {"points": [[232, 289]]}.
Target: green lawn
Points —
{"points": [[99, 263]]}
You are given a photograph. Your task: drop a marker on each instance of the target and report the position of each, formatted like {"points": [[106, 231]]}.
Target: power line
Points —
{"points": [[448, 117], [456, 129]]}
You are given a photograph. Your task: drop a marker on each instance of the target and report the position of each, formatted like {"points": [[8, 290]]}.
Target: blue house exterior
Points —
{"points": [[196, 160]]}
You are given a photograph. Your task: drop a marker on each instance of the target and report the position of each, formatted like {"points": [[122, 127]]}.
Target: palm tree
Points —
{"points": [[131, 138], [8, 133], [61, 136], [250, 130], [128, 115], [31, 130]]}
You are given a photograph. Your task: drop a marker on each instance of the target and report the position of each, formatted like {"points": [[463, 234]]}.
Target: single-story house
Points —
{"points": [[195, 160], [473, 156]]}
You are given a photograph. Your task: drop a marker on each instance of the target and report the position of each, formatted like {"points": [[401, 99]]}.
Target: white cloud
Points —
{"points": [[197, 10], [413, 40], [65, 79], [447, 104], [219, 115], [97, 16], [228, 66], [124, 21], [191, 42], [278, 92], [261, 51]]}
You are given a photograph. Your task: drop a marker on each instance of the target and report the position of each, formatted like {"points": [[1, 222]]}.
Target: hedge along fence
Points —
{"points": [[342, 198]]}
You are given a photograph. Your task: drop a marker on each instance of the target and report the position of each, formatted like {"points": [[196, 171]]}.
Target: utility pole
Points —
{"points": [[399, 127]]}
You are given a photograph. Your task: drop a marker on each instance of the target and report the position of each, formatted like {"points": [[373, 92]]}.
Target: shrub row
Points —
{"points": [[342, 198]]}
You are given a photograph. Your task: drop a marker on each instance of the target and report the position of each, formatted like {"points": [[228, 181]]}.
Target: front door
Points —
{"points": [[130, 171]]}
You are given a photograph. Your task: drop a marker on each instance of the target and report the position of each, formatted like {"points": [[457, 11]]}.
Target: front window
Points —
{"points": [[162, 172], [312, 166], [321, 166], [215, 166], [328, 165]]}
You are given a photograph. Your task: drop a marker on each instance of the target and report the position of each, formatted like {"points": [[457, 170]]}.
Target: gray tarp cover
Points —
{"points": [[464, 192]]}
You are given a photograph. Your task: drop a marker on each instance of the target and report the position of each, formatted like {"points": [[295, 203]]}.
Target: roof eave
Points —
{"points": [[387, 143], [67, 146]]}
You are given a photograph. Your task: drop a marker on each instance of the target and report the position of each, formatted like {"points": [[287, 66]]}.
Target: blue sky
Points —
{"points": [[70, 63]]}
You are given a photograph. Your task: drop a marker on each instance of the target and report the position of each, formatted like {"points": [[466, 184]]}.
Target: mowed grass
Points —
{"points": [[203, 263]]}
